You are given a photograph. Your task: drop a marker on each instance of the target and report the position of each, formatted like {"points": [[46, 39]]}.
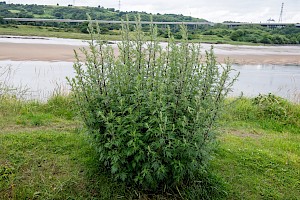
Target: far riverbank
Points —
{"points": [[19, 48]]}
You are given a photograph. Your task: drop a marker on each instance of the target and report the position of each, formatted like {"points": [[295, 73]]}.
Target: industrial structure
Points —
{"points": [[281, 13]]}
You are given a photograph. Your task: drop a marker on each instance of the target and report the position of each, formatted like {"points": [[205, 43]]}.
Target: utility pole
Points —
{"points": [[119, 5], [281, 12]]}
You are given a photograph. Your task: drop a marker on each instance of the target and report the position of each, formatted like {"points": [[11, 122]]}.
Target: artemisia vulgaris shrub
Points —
{"points": [[152, 108]]}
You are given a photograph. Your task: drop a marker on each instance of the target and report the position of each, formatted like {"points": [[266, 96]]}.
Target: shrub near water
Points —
{"points": [[151, 110]]}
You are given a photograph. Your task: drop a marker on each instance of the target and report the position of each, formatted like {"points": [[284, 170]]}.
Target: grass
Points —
{"points": [[45, 154], [47, 164], [259, 165], [14, 11], [27, 30], [23, 30], [259, 154]]}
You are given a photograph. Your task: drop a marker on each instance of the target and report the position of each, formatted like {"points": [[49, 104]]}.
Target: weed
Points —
{"points": [[264, 111], [151, 111], [271, 106]]}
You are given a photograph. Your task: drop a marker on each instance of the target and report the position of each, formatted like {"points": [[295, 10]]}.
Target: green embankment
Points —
{"points": [[27, 30], [45, 153], [23, 30]]}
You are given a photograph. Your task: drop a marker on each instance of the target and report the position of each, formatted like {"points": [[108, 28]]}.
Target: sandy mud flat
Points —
{"points": [[54, 49]]}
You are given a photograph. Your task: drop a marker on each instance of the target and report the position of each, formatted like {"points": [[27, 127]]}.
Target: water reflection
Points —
{"points": [[42, 78]]}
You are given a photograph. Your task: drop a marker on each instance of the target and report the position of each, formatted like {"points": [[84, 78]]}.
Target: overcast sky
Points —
{"points": [[212, 10]]}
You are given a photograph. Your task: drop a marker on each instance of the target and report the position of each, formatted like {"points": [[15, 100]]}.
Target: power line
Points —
{"points": [[281, 13]]}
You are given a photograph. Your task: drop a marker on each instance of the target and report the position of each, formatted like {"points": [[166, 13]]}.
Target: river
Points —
{"points": [[42, 78]]}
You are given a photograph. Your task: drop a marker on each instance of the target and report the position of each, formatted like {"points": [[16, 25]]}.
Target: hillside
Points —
{"points": [[74, 12]]}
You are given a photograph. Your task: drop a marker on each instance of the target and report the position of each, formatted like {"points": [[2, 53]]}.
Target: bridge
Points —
{"points": [[103, 21], [233, 24], [269, 25]]}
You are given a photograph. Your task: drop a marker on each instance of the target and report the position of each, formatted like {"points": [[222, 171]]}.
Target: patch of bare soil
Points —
{"points": [[243, 134]]}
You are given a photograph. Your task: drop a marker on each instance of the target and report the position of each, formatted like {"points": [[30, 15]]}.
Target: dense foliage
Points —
{"points": [[151, 111], [257, 34], [74, 12]]}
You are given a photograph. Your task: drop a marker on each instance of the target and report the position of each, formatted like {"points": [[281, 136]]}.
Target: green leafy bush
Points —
{"points": [[271, 106], [151, 110]]}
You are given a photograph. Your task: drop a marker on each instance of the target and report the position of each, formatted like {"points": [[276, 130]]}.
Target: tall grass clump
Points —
{"points": [[4, 76], [6, 88], [268, 111], [151, 111], [8, 101]]}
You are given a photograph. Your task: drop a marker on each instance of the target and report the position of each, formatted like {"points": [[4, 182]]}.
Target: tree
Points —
{"points": [[266, 39], [58, 15]]}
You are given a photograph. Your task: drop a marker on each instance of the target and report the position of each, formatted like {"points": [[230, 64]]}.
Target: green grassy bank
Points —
{"points": [[72, 33], [45, 154]]}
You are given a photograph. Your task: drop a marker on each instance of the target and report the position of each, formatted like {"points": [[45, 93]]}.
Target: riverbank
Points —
{"points": [[53, 49], [45, 155]]}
